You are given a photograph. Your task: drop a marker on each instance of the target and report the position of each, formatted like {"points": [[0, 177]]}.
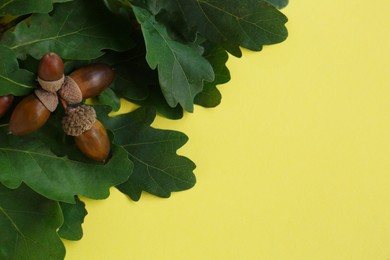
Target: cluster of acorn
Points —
{"points": [[79, 121]]}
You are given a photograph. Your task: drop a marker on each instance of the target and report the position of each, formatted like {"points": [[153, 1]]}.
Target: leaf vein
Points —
{"points": [[158, 169], [6, 3], [15, 82], [2, 210]]}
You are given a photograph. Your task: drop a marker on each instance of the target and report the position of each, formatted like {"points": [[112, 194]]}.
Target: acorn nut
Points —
{"points": [[5, 103], [51, 72], [89, 81], [89, 133], [29, 115]]}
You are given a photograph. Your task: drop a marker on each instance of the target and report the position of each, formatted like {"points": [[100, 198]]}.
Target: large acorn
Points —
{"points": [[51, 72], [32, 112], [86, 82], [5, 103], [89, 133]]}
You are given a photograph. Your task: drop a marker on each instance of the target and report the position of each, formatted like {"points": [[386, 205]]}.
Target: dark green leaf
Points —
{"points": [[12, 79], [76, 30], [278, 3], [132, 72], [181, 67], [37, 160], [210, 95], [138, 83], [20, 7], [156, 99], [249, 23], [217, 57], [171, 16], [28, 224], [74, 215], [132, 80], [109, 98], [157, 167], [119, 7], [29, 64]]}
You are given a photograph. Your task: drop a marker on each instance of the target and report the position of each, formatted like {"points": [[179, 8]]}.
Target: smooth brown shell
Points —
{"points": [[93, 79], [51, 67], [5, 103], [29, 115], [94, 143]]}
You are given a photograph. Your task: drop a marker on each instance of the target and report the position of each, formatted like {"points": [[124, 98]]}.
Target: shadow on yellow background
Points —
{"points": [[294, 164]]}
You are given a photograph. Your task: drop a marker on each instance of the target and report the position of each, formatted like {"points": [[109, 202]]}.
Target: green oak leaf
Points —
{"points": [[28, 224], [210, 95], [50, 164], [132, 80], [138, 83], [109, 98], [171, 16], [182, 69], [156, 100], [21, 7], [248, 23], [14, 80], [29, 64], [132, 73], [278, 3], [119, 7], [157, 167], [75, 30], [74, 215]]}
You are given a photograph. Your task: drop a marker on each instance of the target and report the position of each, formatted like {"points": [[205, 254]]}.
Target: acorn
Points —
{"points": [[86, 82], [5, 103], [51, 72], [29, 115], [89, 133]]}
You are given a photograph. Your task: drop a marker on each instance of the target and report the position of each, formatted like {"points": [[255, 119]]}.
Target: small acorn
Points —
{"points": [[29, 115], [86, 82], [5, 103], [89, 133], [51, 72]]}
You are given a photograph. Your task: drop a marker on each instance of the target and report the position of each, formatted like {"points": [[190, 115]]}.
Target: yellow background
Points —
{"points": [[294, 164]]}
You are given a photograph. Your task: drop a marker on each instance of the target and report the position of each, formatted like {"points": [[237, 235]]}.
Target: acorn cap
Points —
{"points": [[70, 91], [78, 120], [48, 99], [53, 85]]}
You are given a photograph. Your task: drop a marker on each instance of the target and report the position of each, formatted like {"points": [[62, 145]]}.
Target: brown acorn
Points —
{"points": [[86, 82], [29, 115], [5, 103], [51, 72], [89, 133]]}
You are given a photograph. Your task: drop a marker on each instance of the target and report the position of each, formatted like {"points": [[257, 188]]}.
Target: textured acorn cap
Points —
{"points": [[48, 99], [51, 86], [70, 91], [78, 120]]}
